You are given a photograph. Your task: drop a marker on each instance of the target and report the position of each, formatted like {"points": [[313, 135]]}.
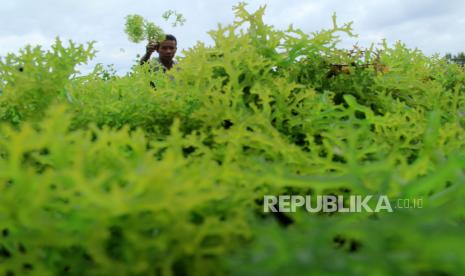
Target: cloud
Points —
{"points": [[433, 26], [12, 43]]}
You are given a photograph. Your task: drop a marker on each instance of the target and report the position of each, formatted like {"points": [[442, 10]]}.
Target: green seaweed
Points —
{"points": [[106, 175]]}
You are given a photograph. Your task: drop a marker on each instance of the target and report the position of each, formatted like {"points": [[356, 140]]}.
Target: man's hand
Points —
{"points": [[151, 47]]}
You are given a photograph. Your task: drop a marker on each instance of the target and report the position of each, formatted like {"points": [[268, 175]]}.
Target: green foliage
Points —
{"points": [[153, 32], [135, 28], [164, 174], [179, 20], [35, 78], [139, 29]]}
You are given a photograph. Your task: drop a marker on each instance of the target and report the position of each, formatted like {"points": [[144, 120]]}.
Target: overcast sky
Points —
{"points": [[434, 26]]}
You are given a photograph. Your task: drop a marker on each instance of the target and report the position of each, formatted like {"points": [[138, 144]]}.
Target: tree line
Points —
{"points": [[457, 58]]}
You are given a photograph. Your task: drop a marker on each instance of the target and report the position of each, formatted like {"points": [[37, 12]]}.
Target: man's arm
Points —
{"points": [[149, 49]]}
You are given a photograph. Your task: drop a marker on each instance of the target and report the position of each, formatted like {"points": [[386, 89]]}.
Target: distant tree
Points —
{"points": [[458, 58]]}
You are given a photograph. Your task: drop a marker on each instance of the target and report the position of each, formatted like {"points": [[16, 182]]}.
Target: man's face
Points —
{"points": [[167, 50]]}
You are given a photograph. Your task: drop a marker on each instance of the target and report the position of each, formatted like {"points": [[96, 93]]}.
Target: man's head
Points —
{"points": [[167, 48]]}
